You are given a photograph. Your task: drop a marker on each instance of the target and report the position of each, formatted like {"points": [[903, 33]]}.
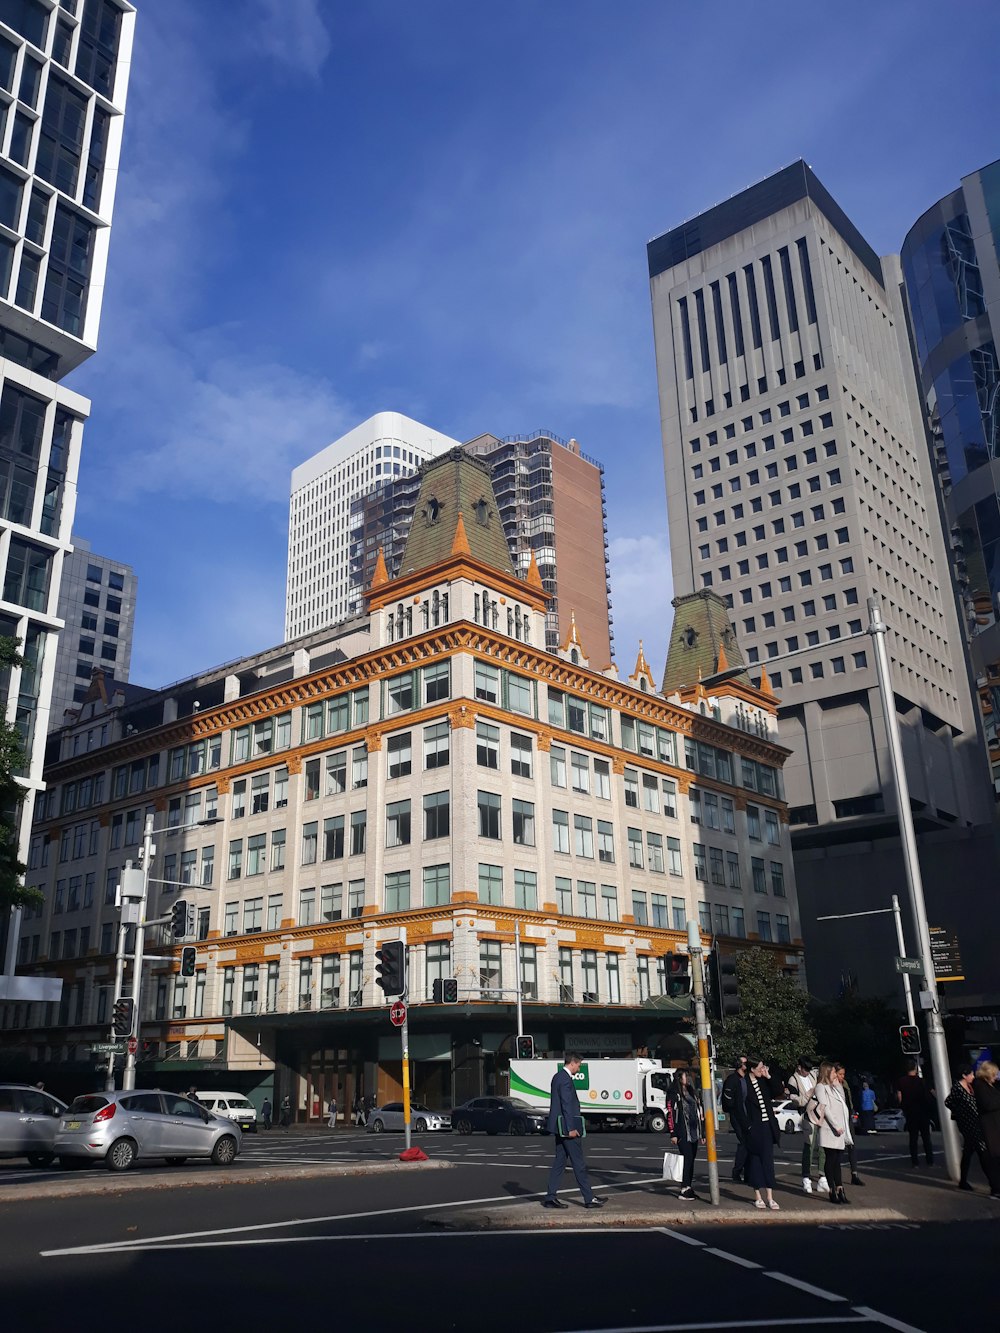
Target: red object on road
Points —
{"points": [[413, 1155], [397, 1014]]}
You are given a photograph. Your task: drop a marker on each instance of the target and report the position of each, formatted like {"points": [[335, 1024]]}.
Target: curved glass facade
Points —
{"points": [[944, 283]]}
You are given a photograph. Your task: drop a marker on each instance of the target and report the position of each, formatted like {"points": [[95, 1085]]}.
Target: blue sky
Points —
{"points": [[328, 208]]}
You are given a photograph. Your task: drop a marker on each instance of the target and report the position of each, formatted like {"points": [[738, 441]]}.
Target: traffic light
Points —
{"points": [[188, 955], [122, 1016], [437, 991], [525, 1048], [678, 975], [450, 990], [722, 986], [391, 968], [182, 919], [909, 1039]]}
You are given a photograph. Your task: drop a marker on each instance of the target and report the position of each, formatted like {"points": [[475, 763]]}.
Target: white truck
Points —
{"points": [[630, 1094]]}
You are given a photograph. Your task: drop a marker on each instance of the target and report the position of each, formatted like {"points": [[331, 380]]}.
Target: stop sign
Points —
{"points": [[133, 1045], [397, 1014]]}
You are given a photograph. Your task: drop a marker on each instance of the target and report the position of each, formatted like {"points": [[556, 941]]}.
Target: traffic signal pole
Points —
{"points": [[109, 1081], [404, 1033], [697, 953], [128, 1076]]}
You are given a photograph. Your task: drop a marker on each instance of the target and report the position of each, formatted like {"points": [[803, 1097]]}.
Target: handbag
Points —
{"points": [[673, 1167]]}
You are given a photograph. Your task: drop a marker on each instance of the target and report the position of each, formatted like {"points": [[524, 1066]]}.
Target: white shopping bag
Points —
{"points": [[673, 1167]]}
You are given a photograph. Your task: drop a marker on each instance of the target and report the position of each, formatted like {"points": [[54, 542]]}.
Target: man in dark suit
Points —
{"points": [[566, 1123]]}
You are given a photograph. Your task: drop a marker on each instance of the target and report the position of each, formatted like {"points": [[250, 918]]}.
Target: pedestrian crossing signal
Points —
{"points": [[450, 990], [525, 1048], [909, 1039]]}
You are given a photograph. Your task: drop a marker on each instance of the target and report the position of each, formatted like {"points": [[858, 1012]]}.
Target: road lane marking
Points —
{"points": [[804, 1286], [108, 1247], [732, 1258], [728, 1323], [885, 1319], [679, 1235]]}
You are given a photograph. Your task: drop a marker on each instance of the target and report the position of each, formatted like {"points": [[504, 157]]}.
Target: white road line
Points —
{"points": [[734, 1323], [732, 1258], [115, 1246], [805, 1286], [885, 1319], [679, 1235]]}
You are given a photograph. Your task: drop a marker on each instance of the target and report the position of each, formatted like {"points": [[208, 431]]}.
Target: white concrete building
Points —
{"points": [[387, 445], [63, 78]]}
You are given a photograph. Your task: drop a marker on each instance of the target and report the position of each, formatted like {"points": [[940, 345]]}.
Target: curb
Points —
{"points": [[575, 1218], [103, 1182]]}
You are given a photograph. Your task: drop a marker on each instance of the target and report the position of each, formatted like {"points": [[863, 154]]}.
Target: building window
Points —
{"points": [[437, 886], [489, 814], [397, 891], [487, 745], [436, 745], [520, 755], [399, 755], [397, 824], [526, 890], [564, 895], [586, 892], [524, 823], [491, 884], [583, 836]]}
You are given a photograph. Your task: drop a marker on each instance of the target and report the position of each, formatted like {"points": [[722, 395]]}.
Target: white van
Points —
{"points": [[233, 1106]]}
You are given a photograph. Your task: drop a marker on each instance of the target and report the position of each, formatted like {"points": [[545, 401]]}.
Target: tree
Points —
{"points": [[773, 1021], [13, 760]]}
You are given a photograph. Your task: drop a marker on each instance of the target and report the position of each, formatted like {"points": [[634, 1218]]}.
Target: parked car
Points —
{"points": [[422, 1118], [29, 1119], [789, 1117], [497, 1115], [892, 1119], [119, 1128], [231, 1105]]}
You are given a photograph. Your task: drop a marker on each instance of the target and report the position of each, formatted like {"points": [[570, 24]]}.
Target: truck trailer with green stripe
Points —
{"points": [[629, 1094]]}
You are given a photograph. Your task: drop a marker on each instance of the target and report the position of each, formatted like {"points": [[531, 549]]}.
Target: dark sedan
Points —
{"points": [[497, 1115]]}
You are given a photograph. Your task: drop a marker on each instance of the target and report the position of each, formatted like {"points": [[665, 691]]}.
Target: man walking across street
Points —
{"points": [[735, 1087], [566, 1123], [265, 1113]]}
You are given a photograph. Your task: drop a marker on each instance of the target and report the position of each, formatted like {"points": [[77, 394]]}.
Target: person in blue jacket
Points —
{"points": [[566, 1123]]}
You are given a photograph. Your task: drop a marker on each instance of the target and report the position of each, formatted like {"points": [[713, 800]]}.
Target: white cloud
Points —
{"points": [[641, 589], [292, 32]]}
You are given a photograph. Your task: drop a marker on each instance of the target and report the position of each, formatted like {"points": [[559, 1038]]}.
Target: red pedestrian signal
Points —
{"points": [[909, 1039]]}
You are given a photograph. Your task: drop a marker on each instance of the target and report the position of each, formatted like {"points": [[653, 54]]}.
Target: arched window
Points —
{"points": [[436, 603], [444, 607], [574, 657], [510, 623], [425, 611]]}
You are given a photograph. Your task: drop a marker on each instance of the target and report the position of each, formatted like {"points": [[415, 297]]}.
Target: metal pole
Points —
{"points": [[907, 992], [517, 976], [938, 1049], [128, 1076], [707, 1086], [404, 1033], [109, 1082]]}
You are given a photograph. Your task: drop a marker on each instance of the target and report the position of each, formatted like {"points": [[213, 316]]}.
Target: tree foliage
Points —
{"points": [[773, 1022], [13, 760]]}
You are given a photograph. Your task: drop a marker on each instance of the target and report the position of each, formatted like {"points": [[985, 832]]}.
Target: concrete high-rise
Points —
{"points": [[798, 484], [324, 488], [64, 71], [97, 607], [951, 270]]}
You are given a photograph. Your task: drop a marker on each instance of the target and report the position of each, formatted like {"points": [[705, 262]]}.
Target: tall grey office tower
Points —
{"points": [[951, 268], [799, 483], [63, 78]]}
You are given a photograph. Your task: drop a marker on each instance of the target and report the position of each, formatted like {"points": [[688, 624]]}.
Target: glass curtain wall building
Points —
{"points": [[63, 79], [951, 272]]}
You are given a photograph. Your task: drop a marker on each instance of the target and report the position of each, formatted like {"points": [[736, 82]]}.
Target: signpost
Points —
{"points": [[397, 1014], [909, 965], [107, 1048], [946, 955]]}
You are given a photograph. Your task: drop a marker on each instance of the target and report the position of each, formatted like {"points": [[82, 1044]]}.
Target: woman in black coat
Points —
{"points": [[758, 1125], [686, 1123], [986, 1090]]}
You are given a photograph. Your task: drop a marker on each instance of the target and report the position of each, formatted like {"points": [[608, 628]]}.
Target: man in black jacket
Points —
{"points": [[736, 1086], [566, 1123]]}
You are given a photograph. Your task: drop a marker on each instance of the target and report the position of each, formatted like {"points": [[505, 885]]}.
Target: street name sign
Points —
{"points": [[107, 1048], [909, 965]]}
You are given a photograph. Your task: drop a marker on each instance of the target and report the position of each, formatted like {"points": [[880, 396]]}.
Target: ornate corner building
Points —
{"points": [[431, 768]]}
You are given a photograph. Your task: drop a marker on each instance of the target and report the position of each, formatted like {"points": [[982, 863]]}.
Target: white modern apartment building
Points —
{"points": [[387, 445], [97, 607], [799, 483], [63, 78]]}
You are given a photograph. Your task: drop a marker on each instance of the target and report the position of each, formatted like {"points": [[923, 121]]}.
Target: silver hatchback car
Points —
{"points": [[119, 1128], [29, 1120]]}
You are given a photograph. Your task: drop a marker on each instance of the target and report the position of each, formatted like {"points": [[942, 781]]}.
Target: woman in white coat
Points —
{"points": [[828, 1110]]}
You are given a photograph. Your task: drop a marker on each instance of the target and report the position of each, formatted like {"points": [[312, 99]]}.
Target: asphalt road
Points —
{"points": [[372, 1251]]}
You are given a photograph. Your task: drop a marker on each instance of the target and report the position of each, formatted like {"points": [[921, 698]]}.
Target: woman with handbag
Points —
{"points": [[828, 1109], [758, 1125], [686, 1125]]}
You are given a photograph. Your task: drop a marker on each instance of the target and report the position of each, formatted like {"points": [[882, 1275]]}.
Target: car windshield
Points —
{"points": [[240, 1104], [521, 1106], [88, 1105]]}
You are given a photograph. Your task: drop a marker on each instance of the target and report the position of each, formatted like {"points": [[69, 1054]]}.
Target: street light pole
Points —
{"points": [[937, 1047], [128, 1076], [517, 976]]}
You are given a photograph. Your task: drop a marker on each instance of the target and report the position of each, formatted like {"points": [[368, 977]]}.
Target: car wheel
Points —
{"points": [[176, 1161], [789, 1126], [420, 1126], [121, 1155], [224, 1152], [41, 1158], [463, 1126], [657, 1122], [377, 1126], [516, 1127]]}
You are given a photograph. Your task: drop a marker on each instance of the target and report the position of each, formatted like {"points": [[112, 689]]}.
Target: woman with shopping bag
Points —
{"points": [[686, 1126]]}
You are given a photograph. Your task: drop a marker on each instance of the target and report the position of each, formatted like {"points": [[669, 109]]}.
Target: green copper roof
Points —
{"points": [[450, 485], [701, 628]]}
